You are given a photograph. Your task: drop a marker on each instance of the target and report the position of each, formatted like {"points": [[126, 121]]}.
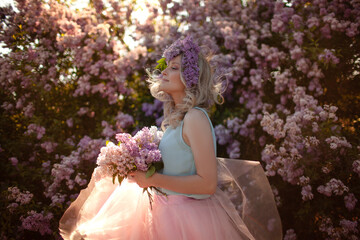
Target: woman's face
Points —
{"points": [[171, 82]]}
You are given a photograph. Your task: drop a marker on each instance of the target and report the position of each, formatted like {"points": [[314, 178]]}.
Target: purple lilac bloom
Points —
{"points": [[140, 150], [37, 222], [189, 62], [350, 201]]}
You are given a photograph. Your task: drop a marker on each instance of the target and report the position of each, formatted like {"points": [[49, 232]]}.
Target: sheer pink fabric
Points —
{"points": [[252, 194], [107, 211]]}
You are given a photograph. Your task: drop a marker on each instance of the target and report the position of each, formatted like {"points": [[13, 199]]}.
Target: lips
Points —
{"points": [[161, 77]]}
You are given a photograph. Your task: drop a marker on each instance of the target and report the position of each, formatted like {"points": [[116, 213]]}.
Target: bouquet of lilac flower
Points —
{"points": [[140, 152]]}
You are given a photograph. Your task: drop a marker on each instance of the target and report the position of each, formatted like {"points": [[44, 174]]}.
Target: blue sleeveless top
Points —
{"points": [[177, 155]]}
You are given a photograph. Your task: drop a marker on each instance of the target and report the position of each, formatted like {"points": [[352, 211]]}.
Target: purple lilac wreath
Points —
{"points": [[189, 62]]}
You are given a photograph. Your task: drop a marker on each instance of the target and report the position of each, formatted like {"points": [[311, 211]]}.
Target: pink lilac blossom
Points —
{"points": [[20, 102], [14, 161], [273, 125], [311, 141], [334, 186], [276, 195], [337, 142], [12, 207], [108, 130], [57, 199], [352, 31], [46, 167], [7, 106], [328, 57], [315, 127], [70, 122], [298, 37], [303, 181], [37, 222], [29, 110], [154, 109], [306, 193], [140, 150], [296, 53], [113, 160], [327, 227], [231, 36], [87, 150], [283, 81], [326, 170], [290, 235], [356, 167], [234, 124], [271, 55], [233, 149], [303, 102], [80, 181], [312, 22], [83, 110], [325, 31], [223, 135], [14, 194], [349, 227], [350, 201], [123, 121], [297, 21], [49, 146], [314, 73], [47, 87], [38, 130], [303, 65], [277, 25]]}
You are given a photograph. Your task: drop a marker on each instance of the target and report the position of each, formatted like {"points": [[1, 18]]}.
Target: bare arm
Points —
{"points": [[197, 134]]}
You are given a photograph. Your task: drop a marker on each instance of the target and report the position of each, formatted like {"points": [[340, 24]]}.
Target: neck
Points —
{"points": [[178, 98]]}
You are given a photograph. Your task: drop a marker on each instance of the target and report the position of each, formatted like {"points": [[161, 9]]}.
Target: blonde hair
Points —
{"points": [[204, 94]]}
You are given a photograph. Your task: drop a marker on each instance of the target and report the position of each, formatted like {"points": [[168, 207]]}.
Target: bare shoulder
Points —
{"points": [[196, 118], [197, 132]]}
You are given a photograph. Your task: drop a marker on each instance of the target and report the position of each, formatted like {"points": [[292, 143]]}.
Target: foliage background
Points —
{"points": [[73, 78]]}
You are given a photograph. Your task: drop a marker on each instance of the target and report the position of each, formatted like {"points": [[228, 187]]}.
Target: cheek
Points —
{"points": [[180, 85], [177, 79]]}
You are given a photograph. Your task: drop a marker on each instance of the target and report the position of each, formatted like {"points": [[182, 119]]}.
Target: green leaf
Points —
{"points": [[107, 142], [150, 171], [158, 165], [161, 64]]}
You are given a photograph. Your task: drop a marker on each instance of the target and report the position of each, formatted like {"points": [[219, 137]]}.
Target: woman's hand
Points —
{"points": [[139, 177]]}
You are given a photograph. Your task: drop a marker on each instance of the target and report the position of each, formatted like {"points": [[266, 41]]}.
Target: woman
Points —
{"points": [[194, 207]]}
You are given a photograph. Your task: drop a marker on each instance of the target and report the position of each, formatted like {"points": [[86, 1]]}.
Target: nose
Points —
{"points": [[164, 72]]}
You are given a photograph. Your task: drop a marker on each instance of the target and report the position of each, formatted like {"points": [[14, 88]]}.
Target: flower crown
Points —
{"points": [[189, 62]]}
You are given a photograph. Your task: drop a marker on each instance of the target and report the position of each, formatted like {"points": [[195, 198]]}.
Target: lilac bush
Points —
{"points": [[62, 82], [291, 68]]}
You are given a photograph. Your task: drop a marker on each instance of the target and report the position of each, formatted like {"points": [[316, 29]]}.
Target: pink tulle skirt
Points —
{"points": [[124, 212], [111, 211]]}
